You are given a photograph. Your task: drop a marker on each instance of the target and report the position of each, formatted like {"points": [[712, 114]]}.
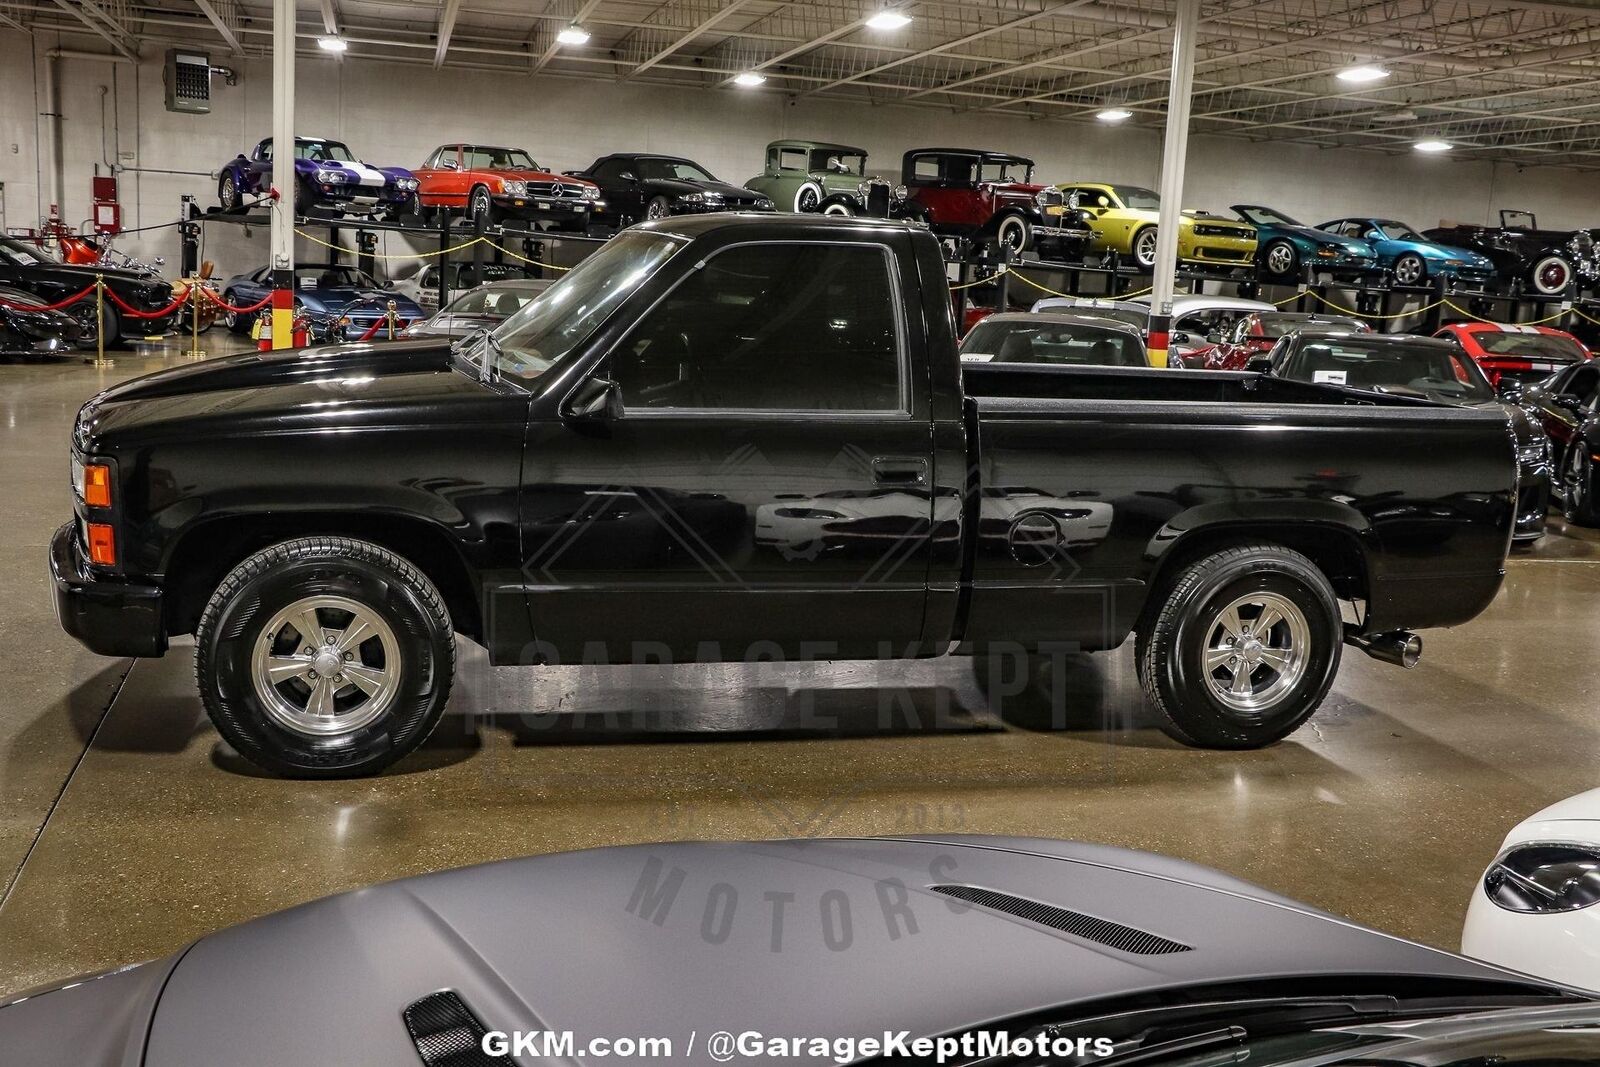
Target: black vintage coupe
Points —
{"points": [[1546, 262], [640, 186], [886, 949], [27, 267]]}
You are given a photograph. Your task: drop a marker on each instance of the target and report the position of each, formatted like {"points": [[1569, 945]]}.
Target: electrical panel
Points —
{"points": [[188, 81]]}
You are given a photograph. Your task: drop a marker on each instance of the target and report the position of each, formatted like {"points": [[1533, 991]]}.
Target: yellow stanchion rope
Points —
{"points": [[1046, 289], [386, 256], [1368, 315], [1452, 305]]}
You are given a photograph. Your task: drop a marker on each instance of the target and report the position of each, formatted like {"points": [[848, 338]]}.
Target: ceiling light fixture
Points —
{"points": [[1433, 146], [888, 20], [332, 44], [1114, 114], [749, 79], [573, 34], [1362, 75]]}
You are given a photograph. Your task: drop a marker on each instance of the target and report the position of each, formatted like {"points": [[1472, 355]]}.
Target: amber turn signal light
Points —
{"points": [[97, 486], [102, 544]]}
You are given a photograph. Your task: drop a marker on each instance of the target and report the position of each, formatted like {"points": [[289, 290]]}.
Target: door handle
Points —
{"points": [[899, 470]]}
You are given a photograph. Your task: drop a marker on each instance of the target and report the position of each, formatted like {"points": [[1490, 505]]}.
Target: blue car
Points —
{"points": [[326, 175], [339, 303], [1285, 247], [1411, 257]]}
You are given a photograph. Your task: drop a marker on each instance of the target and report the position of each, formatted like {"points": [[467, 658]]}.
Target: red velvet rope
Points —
{"points": [[73, 299], [221, 303], [134, 313], [399, 324]]}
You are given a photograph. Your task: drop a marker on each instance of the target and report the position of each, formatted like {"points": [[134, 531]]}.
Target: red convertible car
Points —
{"points": [[1255, 334], [1526, 353], [498, 183]]}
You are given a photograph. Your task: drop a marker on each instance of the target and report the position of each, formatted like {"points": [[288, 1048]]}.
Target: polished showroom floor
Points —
{"points": [[127, 829]]}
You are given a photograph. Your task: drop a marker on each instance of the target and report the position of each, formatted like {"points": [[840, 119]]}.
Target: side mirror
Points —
{"points": [[1180, 337], [627, 176], [596, 398], [1259, 364], [1567, 400], [449, 164]]}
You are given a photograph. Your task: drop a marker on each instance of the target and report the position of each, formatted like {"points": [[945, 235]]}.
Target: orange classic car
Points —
{"points": [[501, 183]]}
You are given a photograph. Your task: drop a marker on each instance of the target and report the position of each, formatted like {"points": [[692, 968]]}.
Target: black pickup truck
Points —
{"points": [[731, 437]]}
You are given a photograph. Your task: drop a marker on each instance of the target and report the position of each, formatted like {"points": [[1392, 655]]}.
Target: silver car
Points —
{"points": [[488, 305]]}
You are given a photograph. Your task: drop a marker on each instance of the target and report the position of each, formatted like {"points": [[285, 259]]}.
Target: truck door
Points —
{"points": [[761, 487]]}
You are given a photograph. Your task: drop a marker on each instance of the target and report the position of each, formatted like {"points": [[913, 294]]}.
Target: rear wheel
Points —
{"points": [[1243, 647], [324, 657], [1144, 248], [1577, 486], [1551, 275]]}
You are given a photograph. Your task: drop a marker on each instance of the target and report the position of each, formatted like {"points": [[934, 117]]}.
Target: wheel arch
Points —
{"points": [[207, 550], [1332, 537], [849, 199]]}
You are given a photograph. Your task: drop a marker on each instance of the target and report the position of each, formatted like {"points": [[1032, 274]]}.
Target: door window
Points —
{"points": [[771, 327]]}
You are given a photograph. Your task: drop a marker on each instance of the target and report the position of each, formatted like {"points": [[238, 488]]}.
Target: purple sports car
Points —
{"points": [[327, 174]]}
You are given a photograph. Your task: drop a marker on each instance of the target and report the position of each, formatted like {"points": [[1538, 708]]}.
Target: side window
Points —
{"points": [[925, 170], [770, 327], [1583, 384], [264, 151], [608, 170], [792, 158], [430, 278]]}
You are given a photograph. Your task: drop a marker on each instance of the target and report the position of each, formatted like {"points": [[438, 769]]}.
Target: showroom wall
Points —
{"points": [[393, 113]]}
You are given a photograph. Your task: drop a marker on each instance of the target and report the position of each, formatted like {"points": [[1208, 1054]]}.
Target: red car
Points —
{"points": [[499, 183], [1525, 353], [1256, 333], [992, 197]]}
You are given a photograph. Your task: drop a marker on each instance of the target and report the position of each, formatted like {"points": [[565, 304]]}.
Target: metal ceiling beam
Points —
{"points": [[210, 12], [81, 13], [803, 47], [709, 23], [330, 18], [447, 26]]}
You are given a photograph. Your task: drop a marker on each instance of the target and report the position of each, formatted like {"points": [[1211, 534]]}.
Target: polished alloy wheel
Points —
{"points": [[88, 321], [480, 204], [1144, 247], [325, 666], [1572, 478], [1280, 258], [1256, 651], [1408, 270], [227, 193]]}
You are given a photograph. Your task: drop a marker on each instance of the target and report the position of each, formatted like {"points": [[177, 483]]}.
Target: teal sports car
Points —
{"points": [[1411, 257], [1285, 247]]}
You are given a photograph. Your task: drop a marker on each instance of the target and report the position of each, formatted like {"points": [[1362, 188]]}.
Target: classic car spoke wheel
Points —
{"points": [[1242, 646], [1144, 247], [807, 197], [1281, 259], [326, 665], [1256, 650], [324, 657], [1552, 275], [1409, 269]]}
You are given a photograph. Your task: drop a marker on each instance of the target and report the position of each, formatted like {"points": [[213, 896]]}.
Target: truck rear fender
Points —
{"points": [[1334, 536]]}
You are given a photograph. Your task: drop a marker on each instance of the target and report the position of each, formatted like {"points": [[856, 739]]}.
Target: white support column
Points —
{"points": [[1174, 150], [283, 180]]}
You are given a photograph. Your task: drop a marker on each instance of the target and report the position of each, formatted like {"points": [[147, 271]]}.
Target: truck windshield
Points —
{"points": [[564, 315]]}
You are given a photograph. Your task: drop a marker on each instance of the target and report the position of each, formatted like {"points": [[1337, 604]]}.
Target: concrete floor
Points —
{"points": [[127, 829]]}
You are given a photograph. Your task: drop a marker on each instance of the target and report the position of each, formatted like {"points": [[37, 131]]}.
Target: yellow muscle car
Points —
{"points": [[1124, 217]]}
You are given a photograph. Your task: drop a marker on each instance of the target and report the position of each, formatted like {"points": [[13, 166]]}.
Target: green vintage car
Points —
{"points": [[816, 176]]}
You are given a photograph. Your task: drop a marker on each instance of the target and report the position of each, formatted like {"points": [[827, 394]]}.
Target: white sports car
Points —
{"points": [[1533, 909]]}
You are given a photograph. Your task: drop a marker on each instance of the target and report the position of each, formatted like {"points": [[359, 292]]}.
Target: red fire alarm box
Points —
{"points": [[107, 212]]}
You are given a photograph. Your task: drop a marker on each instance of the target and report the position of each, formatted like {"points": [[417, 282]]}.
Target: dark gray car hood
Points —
{"points": [[602, 944]]}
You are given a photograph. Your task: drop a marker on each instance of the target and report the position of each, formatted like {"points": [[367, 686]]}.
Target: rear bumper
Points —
{"points": [[109, 616]]}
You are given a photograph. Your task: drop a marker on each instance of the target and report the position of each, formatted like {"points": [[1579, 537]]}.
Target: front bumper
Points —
{"points": [[110, 616], [545, 207]]}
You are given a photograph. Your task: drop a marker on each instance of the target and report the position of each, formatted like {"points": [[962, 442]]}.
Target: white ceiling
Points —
{"points": [[1517, 81]]}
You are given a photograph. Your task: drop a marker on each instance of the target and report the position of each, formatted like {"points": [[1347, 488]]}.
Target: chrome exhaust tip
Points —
{"points": [[1400, 647]]}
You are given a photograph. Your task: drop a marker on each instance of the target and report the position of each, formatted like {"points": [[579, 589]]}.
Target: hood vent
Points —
{"points": [[447, 1034], [1114, 935]]}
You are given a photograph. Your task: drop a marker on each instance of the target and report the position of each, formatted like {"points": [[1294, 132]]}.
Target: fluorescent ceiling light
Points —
{"points": [[332, 44], [1433, 146], [888, 20], [749, 79], [1114, 114], [1360, 75], [573, 35]]}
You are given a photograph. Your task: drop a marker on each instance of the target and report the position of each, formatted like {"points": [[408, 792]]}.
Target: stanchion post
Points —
{"points": [[194, 318], [100, 321], [388, 315]]}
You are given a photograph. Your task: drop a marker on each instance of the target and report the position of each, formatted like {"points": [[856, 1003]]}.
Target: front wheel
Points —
{"points": [[1577, 486], [1551, 275], [1411, 269], [480, 208], [839, 207], [657, 208], [1014, 233], [1242, 649], [92, 326], [228, 191], [1280, 260], [324, 657], [1144, 248]]}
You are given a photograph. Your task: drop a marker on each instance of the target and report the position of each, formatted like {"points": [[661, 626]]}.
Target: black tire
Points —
{"points": [[657, 208], [1411, 269], [1172, 644], [1280, 259], [276, 577], [1142, 246], [237, 323], [808, 197], [1577, 486], [840, 206], [91, 327], [228, 191], [305, 198], [480, 205], [1014, 232]]}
